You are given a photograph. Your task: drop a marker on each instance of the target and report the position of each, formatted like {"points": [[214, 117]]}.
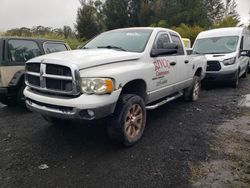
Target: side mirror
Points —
{"points": [[189, 51], [169, 49], [245, 53]]}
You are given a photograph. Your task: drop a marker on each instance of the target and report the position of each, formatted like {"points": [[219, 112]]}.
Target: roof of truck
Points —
{"points": [[230, 31], [145, 28], [40, 40]]}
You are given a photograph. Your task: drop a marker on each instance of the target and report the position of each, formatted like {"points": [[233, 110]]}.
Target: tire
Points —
{"points": [[8, 102], [129, 120], [235, 82], [192, 93], [245, 73], [20, 96]]}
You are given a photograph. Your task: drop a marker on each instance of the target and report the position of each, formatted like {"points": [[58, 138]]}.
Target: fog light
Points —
{"points": [[91, 113]]}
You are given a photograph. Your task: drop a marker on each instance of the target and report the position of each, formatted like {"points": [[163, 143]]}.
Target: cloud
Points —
{"points": [[28, 13]]}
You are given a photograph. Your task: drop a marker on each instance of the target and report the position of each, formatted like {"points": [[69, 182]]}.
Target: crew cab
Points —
{"points": [[14, 52], [119, 74]]}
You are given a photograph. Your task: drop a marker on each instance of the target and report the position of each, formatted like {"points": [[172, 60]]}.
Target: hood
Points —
{"points": [[220, 57], [86, 58]]}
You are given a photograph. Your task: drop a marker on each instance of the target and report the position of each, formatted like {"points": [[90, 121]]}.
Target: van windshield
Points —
{"points": [[216, 45], [132, 40]]}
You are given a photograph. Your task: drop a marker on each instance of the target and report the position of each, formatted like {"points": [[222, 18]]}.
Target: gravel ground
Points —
{"points": [[185, 145]]}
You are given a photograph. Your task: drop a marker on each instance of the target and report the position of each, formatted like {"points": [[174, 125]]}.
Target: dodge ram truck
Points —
{"points": [[14, 52], [119, 74]]}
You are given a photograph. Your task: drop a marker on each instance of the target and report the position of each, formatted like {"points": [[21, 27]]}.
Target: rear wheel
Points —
{"points": [[129, 120], [192, 93]]}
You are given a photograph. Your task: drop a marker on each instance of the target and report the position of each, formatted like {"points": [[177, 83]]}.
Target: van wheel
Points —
{"points": [[245, 73], [235, 81], [192, 93], [128, 123]]}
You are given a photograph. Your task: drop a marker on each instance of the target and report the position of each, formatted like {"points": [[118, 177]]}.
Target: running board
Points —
{"points": [[166, 100]]}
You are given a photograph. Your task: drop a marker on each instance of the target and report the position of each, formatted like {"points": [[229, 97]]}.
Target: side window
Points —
{"points": [[54, 47], [176, 40], [22, 50], [242, 43], [162, 41]]}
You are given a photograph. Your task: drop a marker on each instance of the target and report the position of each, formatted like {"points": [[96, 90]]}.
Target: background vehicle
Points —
{"points": [[227, 52], [187, 42], [120, 74], [14, 52]]}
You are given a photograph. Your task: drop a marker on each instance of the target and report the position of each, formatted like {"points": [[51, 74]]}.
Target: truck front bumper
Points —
{"points": [[226, 76], [84, 107]]}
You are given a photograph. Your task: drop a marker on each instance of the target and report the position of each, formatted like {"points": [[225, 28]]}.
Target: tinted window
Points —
{"points": [[54, 47], [177, 40], [162, 41], [22, 50]]}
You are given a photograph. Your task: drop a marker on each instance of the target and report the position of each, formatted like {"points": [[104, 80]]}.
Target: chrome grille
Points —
{"points": [[52, 78]]}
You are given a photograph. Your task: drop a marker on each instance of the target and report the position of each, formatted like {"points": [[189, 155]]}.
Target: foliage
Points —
{"points": [[89, 19], [65, 34], [215, 10], [190, 32], [228, 21]]}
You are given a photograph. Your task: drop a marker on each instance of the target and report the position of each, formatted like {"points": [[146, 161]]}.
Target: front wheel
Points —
{"points": [[192, 93], [235, 81], [129, 120]]}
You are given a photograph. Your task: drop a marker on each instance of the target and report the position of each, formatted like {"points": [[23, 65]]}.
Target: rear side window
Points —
{"points": [[54, 47], [22, 50], [177, 40]]}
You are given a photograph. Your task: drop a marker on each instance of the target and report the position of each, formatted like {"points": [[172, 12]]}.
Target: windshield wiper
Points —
{"points": [[112, 47], [194, 52]]}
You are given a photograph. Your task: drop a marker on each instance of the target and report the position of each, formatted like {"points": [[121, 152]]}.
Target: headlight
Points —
{"points": [[230, 61], [97, 85]]}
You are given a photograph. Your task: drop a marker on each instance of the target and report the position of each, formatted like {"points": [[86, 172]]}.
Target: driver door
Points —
{"points": [[163, 69]]}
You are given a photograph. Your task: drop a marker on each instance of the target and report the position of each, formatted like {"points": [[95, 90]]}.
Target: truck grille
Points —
{"points": [[213, 66], [52, 78]]}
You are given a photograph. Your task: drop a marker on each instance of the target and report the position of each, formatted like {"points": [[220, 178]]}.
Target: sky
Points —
{"points": [[57, 13]]}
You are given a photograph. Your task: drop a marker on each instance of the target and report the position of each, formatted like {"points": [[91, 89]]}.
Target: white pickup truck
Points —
{"points": [[119, 74]]}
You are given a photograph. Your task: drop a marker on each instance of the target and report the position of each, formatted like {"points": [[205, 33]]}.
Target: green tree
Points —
{"points": [[231, 12], [190, 32], [228, 21], [120, 13], [215, 10], [87, 22]]}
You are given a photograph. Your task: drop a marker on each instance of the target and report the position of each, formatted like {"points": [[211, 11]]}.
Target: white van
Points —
{"points": [[227, 51]]}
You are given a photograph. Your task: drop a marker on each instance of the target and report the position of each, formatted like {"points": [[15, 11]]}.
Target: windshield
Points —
{"points": [[216, 45], [132, 40]]}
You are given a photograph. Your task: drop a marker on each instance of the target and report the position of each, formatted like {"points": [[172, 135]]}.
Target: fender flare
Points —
{"points": [[18, 79]]}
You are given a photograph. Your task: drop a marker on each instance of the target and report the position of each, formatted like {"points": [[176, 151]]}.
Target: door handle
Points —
{"points": [[173, 63], [186, 62]]}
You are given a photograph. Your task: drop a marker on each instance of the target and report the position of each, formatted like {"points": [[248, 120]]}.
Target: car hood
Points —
{"points": [[87, 58]]}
